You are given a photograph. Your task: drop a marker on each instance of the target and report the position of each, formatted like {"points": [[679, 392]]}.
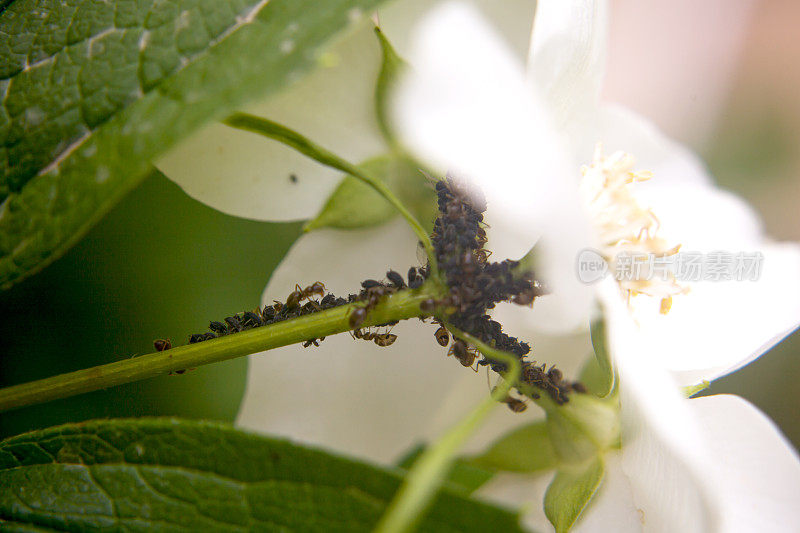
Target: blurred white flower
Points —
{"points": [[523, 136]]}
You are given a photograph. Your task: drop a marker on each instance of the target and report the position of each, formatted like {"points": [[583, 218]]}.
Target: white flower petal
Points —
{"points": [[619, 128], [662, 449], [568, 350], [567, 56], [513, 19], [702, 218], [612, 507], [247, 175], [348, 395], [568, 308], [469, 390], [720, 326], [467, 107], [523, 492], [759, 470]]}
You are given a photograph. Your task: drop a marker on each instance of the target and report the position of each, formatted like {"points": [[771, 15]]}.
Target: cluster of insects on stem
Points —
{"points": [[468, 285]]}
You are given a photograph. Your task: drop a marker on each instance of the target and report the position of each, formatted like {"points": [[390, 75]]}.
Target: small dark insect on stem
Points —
{"points": [[399, 306]]}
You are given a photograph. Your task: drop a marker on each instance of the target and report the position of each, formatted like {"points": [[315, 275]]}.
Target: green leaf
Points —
{"points": [[605, 383], [167, 474], [570, 492], [354, 204], [463, 477], [93, 91], [392, 66], [526, 450]]}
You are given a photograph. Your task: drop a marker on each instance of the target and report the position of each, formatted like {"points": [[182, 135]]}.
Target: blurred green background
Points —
{"points": [[754, 154], [160, 265]]}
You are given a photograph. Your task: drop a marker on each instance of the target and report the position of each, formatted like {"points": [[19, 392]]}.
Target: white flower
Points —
{"points": [[524, 136], [469, 106]]}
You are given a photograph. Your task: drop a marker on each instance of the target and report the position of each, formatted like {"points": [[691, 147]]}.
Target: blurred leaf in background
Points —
{"points": [[160, 265]]}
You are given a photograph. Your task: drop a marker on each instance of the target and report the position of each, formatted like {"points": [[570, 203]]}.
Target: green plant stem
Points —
{"points": [[398, 306], [305, 146], [431, 469]]}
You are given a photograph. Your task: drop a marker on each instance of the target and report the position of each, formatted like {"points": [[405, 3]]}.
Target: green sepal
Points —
{"points": [[583, 427], [571, 491], [392, 65], [527, 449], [354, 204], [606, 382]]}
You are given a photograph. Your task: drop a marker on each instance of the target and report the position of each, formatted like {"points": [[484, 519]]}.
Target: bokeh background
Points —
{"points": [[719, 75]]}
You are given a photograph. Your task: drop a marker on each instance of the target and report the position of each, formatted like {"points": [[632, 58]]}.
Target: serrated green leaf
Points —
{"points": [[605, 383], [526, 450], [570, 492], [167, 474], [354, 204], [463, 477], [92, 91]]}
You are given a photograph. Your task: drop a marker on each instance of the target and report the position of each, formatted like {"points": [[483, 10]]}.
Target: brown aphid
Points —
{"points": [[385, 339], [462, 352], [357, 317], [162, 344], [442, 336], [427, 306], [524, 298], [515, 404], [375, 293], [363, 335]]}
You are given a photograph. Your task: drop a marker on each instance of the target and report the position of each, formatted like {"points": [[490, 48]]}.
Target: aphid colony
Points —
{"points": [[302, 302], [477, 285]]}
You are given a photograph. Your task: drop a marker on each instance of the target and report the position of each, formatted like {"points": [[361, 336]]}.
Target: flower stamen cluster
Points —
{"points": [[625, 228]]}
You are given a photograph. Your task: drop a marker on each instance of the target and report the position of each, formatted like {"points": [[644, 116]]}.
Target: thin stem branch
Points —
{"points": [[430, 471], [305, 146], [398, 306]]}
